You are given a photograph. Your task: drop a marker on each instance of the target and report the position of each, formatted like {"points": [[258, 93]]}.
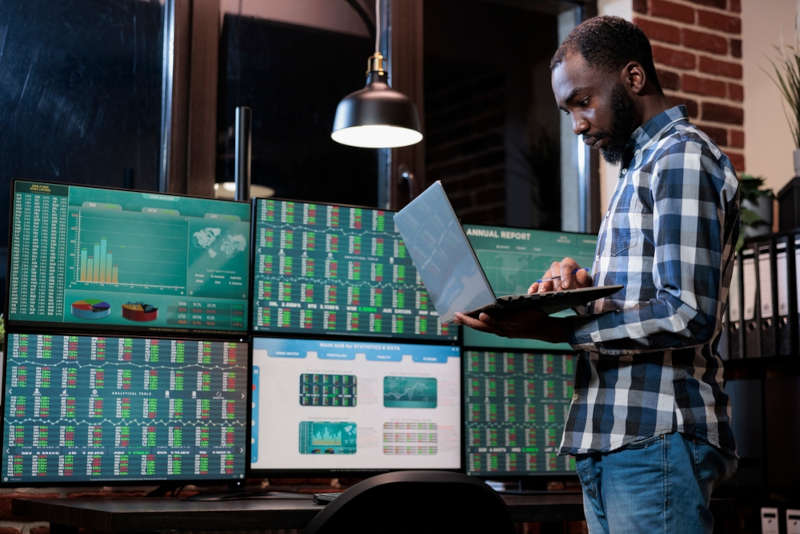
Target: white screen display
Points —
{"points": [[320, 405]]}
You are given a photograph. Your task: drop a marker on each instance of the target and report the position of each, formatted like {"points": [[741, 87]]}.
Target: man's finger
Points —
{"points": [[568, 268], [471, 322], [566, 278]]}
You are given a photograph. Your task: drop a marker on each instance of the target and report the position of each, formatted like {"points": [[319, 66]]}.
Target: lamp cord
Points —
{"points": [[377, 26]]}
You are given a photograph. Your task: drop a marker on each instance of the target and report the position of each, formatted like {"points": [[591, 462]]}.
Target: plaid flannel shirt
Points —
{"points": [[649, 364]]}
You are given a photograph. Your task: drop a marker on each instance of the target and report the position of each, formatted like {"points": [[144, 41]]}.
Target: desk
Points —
{"points": [[128, 515]]}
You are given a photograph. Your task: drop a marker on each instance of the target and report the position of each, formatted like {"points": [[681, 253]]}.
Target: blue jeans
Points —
{"points": [[661, 484]]}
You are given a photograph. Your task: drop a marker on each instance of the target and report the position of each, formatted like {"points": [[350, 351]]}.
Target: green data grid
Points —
{"points": [[328, 390]]}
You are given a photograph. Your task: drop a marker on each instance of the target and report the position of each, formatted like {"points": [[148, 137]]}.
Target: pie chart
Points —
{"points": [[140, 312], [90, 309]]}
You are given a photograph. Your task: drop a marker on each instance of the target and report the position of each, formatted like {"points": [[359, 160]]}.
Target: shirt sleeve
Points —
{"points": [[695, 221]]}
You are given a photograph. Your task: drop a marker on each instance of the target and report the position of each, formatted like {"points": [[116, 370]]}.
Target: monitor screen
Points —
{"points": [[114, 259], [330, 269], [123, 409], [515, 407], [354, 405], [514, 258]]}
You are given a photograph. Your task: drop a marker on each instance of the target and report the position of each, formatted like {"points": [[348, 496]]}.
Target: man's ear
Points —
{"points": [[634, 77]]}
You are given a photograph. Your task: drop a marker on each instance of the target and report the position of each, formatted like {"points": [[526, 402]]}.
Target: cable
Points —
{"points": [[377, 26]]}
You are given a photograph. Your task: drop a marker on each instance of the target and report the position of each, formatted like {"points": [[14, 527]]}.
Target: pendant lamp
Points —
{"points": [[376, 116]]}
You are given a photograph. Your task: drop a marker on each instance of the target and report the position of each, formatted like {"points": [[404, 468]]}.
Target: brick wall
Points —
{"points": [[697, 48], [465, 120]]}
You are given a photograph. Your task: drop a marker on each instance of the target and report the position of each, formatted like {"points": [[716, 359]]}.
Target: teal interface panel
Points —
{"points": [[515, 407], [327, 269], [111, 258], [513, 259], [121, 409]]}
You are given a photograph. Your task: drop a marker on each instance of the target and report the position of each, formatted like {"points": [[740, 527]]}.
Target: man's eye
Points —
{"points": [[584, 102]]}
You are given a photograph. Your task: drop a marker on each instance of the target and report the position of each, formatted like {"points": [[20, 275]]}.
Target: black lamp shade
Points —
{"points": [[376, 117]]}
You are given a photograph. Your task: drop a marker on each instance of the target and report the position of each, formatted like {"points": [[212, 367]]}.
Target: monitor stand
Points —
{"points": [[534, 486], [238, 491], [165, 489]]}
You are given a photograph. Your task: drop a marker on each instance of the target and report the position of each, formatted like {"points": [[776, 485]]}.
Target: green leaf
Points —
{"points": [[750, 217], [786, 76]]}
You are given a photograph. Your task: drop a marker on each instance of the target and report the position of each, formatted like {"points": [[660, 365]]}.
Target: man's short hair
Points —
{"points": [[609, 43]]}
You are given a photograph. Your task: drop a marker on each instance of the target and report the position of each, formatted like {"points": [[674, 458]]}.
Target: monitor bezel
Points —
{"points": [[531, 480], [71, 327], [311, 335], [334, 472], [236, 481]]}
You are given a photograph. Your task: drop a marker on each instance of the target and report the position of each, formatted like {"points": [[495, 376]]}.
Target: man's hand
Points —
{"points": [[519, 324], [564, 274]]}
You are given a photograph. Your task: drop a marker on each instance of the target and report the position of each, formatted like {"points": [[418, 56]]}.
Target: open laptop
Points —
{"points": [[450, 269]]}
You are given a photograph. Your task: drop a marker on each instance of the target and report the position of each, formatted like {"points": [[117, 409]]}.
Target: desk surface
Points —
{"points": [[119, 515]]}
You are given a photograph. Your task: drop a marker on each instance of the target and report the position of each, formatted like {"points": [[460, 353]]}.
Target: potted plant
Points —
{"points": [[755, 209], [786, 75]]}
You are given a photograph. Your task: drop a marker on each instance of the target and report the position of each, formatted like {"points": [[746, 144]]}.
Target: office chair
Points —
{"points": [[415, 501]]}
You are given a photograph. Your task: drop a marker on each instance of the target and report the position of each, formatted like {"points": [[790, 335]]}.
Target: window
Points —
{"points": [[292, 77], [493, 132], [81, 93]]}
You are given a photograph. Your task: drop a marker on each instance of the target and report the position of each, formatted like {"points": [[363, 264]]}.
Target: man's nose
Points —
{"points": [[579, 125]]}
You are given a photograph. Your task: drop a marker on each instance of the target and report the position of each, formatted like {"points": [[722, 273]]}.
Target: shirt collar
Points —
{"points": [[642, 135]]}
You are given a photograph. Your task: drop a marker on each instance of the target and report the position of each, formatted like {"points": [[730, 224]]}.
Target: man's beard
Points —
{"points": [[622, 124]]}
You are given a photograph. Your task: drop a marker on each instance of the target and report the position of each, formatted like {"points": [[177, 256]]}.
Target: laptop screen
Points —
{"points": [[442, 254]]}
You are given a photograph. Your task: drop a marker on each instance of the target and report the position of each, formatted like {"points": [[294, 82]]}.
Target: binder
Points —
{"points": [[792, 268], [794, 302], [780, 288], [769, 521], [734, 312], [751, 348], [792, 521], [765, 313]]}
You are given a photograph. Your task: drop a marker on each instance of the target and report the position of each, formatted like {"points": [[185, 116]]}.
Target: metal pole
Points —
{"points": [[584, 162], [244, 151], [384, 46], [167, 82]]}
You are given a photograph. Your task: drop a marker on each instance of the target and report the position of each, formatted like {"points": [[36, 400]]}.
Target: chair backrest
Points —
{"points": [[415, 501]]}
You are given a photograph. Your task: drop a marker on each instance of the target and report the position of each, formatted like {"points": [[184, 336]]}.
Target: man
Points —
{"points": [[649, 421]]}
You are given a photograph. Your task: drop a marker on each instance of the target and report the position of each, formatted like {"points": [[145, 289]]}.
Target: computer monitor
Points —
{"points": [[323, 269], [514, 258], [515, 406], [115, 260], [89, 409], [329, 406]]}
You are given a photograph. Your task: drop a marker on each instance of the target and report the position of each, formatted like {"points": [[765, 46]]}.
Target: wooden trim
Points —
{"points": [[406, 64], [194, 98], [203, 86], [596, 211]]}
